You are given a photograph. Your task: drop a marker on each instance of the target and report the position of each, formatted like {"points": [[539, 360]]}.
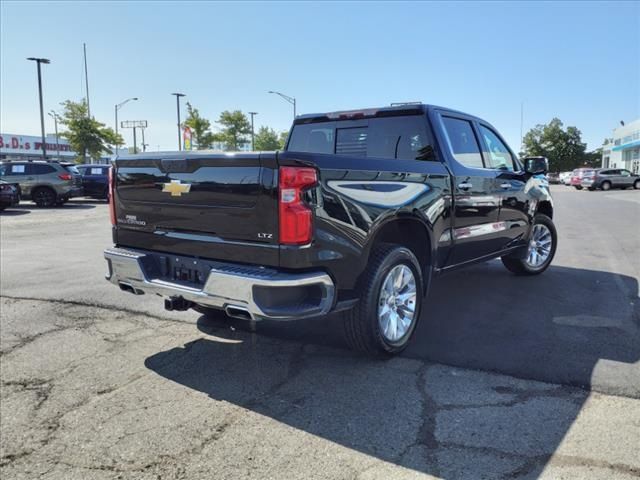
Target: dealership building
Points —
{"points": [[623, 149], [29, 147]]}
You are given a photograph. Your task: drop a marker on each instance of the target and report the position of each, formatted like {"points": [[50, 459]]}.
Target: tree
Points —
{"points": [[200, 128], [564, 148], [87, 136], [283, 139], [267, 139], [236, 129]]}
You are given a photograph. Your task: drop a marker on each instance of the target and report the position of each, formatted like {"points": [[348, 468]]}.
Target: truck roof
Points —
{"points": [[411, 108]]}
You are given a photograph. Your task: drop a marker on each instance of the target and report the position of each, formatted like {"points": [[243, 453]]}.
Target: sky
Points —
{"points": [[578, 61]]}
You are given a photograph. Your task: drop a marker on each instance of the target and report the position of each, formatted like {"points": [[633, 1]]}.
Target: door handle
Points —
{"points": [[464, 186], [505, 185], [30, 178]]}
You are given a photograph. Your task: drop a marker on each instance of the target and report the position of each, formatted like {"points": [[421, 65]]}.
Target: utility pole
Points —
{"points": [[253, 137], [53, 114], [86, 79], [38, 62], [135, 144], [521, 125], [144, 145], [291, 100], [178, 95], [118, 107]]}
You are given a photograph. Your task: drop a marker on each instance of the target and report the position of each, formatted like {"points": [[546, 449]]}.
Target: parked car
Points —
{"points": [[95, 180], [565, 178], [9, 195], [608, 178], [576, 177], [553, 178], [47, 183], [357, 215]]}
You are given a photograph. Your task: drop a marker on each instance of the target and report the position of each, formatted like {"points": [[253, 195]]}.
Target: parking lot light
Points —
{"points": [[38, 62]]}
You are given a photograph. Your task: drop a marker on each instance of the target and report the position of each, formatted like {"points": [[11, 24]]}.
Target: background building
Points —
{"points": [[623, 149], [29, 147]]}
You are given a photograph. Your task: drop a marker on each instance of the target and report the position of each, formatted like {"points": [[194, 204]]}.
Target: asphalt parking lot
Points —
{"points": [[507, 377]]}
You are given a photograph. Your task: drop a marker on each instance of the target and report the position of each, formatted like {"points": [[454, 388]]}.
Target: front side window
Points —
{"points": [[498, 155], [462, 142], [13, 169], [625, 173]]}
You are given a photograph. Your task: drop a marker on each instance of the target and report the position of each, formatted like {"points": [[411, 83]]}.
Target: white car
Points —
{"points": [[565, 178]]}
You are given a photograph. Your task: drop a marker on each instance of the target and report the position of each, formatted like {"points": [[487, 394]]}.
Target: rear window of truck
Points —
{"points": [[405, 138]]}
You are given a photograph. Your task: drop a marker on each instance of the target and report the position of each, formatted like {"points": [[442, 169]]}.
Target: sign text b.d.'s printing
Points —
{"points": [[29, 145]]}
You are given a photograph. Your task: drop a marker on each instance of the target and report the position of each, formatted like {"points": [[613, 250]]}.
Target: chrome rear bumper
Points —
{"points": [[263, 293]]}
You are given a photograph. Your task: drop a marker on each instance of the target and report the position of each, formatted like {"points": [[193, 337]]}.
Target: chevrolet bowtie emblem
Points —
{"points": [[175, 188]]}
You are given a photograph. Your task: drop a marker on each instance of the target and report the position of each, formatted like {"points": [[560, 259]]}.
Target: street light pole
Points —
{"points": [[38, 62], [291, 100], [53, 114], [178, 95], [253, 137], [118, 107]]}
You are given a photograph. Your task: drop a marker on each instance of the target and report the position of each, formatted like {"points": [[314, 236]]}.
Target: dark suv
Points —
{"points": [[95, 180], [46, 183], [608, 178]]}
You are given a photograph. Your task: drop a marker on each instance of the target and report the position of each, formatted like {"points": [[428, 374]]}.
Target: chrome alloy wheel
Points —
{"points": [[539, 246], [397, 303]]}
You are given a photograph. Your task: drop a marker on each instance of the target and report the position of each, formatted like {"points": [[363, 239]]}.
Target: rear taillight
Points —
{"points": [[65, 176], [296, 217], [112, 207]]}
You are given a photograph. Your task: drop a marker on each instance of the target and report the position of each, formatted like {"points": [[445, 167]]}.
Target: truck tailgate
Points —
{"points": [[214, 206]]}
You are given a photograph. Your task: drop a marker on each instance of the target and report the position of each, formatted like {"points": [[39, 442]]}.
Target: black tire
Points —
{"points": [[361, 326], [44, 197], [578, 187], [605, 186], [520, 266], [636, 184]]}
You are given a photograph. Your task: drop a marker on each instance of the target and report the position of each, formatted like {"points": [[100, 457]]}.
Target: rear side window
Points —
{"points": [[463, 142], [40, 169]]}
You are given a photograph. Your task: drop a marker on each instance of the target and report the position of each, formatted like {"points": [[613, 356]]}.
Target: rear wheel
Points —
{"points": [[605, 186], [636, 184], [44, 197], [540, 250], [387, 313]]}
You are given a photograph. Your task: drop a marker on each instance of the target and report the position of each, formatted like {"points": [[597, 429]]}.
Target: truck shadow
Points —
{"points": [[427, 417]]}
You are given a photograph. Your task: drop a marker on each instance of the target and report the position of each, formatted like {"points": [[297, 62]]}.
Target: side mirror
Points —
{"points": [[536, 165]]}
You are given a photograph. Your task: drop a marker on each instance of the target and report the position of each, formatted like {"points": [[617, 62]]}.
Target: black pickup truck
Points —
{"points": [[357, 215]]}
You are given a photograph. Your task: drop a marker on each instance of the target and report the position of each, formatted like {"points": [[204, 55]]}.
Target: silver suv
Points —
{"points": [[46, 183], [608, 178]]}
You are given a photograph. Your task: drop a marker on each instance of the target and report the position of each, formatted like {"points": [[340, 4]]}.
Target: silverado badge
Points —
{"points": [[175, 188]]}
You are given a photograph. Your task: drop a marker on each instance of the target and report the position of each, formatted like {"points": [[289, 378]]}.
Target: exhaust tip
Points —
{"points": [[237, 312]]}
